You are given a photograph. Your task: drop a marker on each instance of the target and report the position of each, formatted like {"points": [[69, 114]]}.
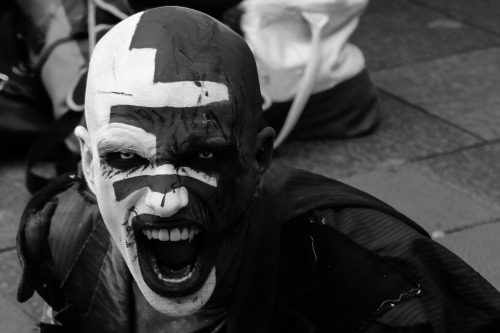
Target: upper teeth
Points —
{"points": [[173, 234]]}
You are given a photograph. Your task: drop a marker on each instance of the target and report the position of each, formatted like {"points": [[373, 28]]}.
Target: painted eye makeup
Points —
{"points": [[205, 154], [124, 160], [127, 156], [210, 158]]}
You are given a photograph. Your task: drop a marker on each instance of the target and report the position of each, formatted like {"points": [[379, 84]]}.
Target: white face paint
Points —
{"points": [[120, 76], [118, 215]]}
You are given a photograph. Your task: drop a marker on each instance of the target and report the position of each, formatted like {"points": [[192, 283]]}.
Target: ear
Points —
{"points": [[263, 154], [87, 155]]}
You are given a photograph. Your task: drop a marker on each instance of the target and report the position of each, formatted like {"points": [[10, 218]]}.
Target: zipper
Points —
{"points": [[387, 305]]}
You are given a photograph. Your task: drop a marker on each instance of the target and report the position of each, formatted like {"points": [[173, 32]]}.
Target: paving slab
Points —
{"points": [[483, 13], [431, 203], [405, 133], [13, 319], [10, 275], [462, 89], [14, 197], [479, 247], [475, 172], [395, 33]]}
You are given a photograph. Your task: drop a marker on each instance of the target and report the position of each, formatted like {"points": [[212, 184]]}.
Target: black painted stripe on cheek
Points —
{"points": [[159, 183]]}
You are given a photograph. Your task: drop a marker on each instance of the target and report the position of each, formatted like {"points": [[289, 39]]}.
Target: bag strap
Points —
{"points": [[93, 27], [316, 21]]}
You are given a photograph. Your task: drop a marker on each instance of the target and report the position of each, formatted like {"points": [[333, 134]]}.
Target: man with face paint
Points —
{"points": [[181, 225]]}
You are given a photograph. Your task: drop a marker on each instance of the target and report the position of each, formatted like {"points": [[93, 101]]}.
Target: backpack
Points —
{"points": [[313, 81]]}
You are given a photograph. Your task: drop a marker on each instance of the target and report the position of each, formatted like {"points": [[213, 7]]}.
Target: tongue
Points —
{"points": [[174, 255]]}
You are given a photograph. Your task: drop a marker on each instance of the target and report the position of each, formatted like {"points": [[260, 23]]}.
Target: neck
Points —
{"points": [[147, 319]]}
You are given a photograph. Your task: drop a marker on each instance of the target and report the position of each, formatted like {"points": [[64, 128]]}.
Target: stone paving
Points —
{"points": [[436, 156]]}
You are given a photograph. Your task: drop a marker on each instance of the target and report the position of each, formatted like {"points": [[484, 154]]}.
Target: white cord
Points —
{"points": [[111, 9], [316, 21]]}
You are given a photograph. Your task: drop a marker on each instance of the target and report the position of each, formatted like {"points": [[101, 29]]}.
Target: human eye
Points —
{"points": [[205, 154], [127, 156], [125, 160]]}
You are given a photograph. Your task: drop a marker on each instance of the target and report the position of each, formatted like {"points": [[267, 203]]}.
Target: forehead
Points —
{"points": [[168, 98], [170, 112], [176, 123]]}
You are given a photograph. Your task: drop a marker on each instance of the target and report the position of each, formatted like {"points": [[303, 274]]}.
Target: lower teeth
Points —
{"points": [[167, 271], [184, 272]]}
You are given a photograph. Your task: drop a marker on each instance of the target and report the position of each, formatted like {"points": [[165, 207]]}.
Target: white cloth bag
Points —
{"points": [[301, 48]]}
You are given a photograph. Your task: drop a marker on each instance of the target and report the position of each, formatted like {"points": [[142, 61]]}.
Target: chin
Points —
{"points": [[178, 306]]}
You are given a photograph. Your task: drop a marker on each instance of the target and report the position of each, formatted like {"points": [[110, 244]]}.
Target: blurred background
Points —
{"points": [[434, 155]]}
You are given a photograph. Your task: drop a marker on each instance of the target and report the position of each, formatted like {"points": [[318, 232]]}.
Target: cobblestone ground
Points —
{"points": [[436, 156]]}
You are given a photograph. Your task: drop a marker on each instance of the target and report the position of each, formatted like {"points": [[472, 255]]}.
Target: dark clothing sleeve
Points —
{"points": [[378, 328], [454, 297], [346, 268]]}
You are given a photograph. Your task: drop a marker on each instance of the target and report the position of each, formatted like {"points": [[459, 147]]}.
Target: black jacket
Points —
{"points": [[335, 260]]}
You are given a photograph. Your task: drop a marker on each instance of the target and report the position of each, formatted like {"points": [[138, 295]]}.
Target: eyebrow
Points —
{"points": [[216, 142], [125, 142], [107, 146]]}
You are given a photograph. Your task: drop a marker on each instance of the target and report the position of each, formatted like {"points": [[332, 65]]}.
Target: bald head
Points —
{"points": [[176, 57]]}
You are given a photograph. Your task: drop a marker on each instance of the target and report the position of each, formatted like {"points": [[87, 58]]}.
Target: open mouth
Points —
{"points": [[174, 261]]}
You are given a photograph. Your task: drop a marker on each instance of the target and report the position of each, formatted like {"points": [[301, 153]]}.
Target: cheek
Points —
{"points": [[104, 192], [233, 197], [115, 213]]}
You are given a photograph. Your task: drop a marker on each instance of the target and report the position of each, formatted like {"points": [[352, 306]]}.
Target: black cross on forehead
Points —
{"points": [[189, 46]]}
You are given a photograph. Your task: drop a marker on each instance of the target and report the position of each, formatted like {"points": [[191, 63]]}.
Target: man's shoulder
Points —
{"points": [[299, 192], [65, 249], [55, 225], [348, 258], [336, 281]]}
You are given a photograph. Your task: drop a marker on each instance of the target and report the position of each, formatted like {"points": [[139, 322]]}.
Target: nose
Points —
{"points": [[167, 204]]}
